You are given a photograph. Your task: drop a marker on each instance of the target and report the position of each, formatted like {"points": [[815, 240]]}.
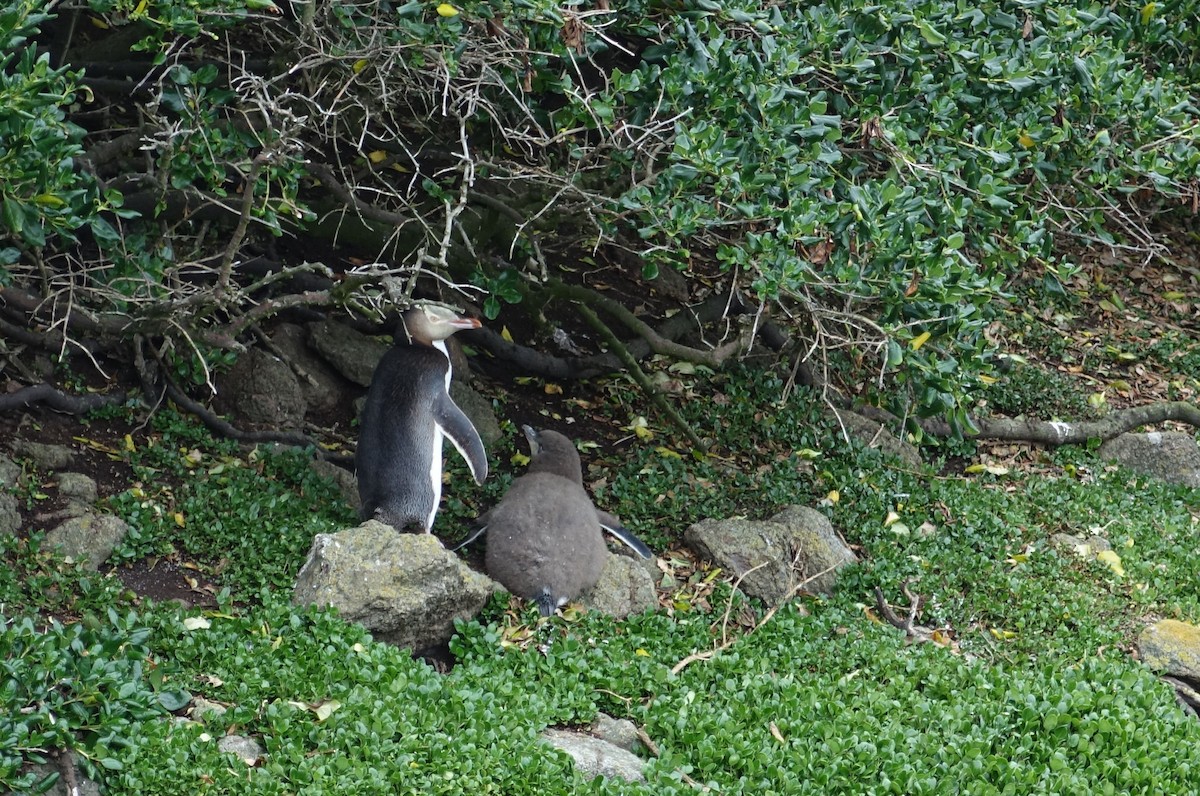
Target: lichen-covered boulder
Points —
{"points": [[772, 557], [407, 589]]}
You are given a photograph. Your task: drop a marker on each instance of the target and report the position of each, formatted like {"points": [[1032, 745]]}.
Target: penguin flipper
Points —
{"points": [[478, 532], [457, 427], [622, 534]]}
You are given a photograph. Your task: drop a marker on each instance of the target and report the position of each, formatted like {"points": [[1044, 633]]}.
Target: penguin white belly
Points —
{"points": [[435, 459], [435, 478]]}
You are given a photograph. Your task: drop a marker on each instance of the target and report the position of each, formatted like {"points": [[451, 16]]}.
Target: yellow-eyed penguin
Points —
{"points": [[408, 411], [544, 540]]}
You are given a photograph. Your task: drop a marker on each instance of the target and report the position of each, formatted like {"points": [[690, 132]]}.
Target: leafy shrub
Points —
{"points": [[42, 192], [257, 514], [88, 687]]}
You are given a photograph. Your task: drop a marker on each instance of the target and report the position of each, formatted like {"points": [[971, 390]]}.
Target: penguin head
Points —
{"points": [[428, 323], [553, 453]]}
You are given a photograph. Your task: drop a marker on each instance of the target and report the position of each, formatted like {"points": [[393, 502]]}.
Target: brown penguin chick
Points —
{"points": [[544, 542], [407, 414]]}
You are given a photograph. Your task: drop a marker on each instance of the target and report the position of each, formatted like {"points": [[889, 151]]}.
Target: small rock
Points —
{"points": [[322, 387], [625, 587], [263, 391], [1086, 547], [202, 708], [405, 588], [775, 555], [478, 410], [44, 456], [79, 490], [10, 514], [1170, 456], [1172, 647], [346, 483], [596, 758], [90, 536], [349, 352], [874, 435], [248, 749], [618, 732], [10, 473]]}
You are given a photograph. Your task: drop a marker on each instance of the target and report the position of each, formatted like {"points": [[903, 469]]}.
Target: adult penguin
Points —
{"points": [[407, 413], [544, 540]]}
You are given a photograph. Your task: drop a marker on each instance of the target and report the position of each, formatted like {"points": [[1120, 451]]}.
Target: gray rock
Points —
{"points": [[1077, 544], [405, 588], [322, 387], [618, 732], [625, 587], [874, 435], [86, 786], [248, 749], [44, 456], [594, 757], [10, 473], [1173, 648], [478, 410], [794, 545], [10, 514], [263, 391], [90, 536], [202, 709], [80, 492], [346, 483], [349, 352], [1171, 456]]}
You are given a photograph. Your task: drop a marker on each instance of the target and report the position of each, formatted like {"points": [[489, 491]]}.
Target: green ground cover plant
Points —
{"points": [[1035, 695]]}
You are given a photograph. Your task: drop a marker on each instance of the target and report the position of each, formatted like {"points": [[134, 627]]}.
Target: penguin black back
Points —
{"points": [[407, 412]]}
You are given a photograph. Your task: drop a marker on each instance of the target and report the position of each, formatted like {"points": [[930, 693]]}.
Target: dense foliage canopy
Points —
{"points": [[876, 173]]}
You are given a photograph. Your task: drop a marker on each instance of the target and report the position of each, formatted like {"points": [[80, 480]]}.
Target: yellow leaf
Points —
{"points": [[834, 496], [325, 709], [1148, 12], [890, 518], [940, 638], [447, 10], [1002, 635], [519, 459], [641, 429], [140, 9], [667, 453], [974, 468], [552, 389], [196, 623], [48, 200], [99, 23], [506, 334], [1025, 140], [276, 643], [360, 65], [641, 652], [996, 469], [178, 517], [808, 453], [920, 340], [1110, 558], [986, 379], [129, 446], [1174, 295], [1097, 400], [377, 156]]}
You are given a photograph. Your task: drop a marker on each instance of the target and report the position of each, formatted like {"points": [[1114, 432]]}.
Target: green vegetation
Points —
{"points": [[885, 174], [252, 517], [1033, 694]]}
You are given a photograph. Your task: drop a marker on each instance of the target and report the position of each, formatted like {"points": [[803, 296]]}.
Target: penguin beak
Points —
{"points": [[531, 435]]}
